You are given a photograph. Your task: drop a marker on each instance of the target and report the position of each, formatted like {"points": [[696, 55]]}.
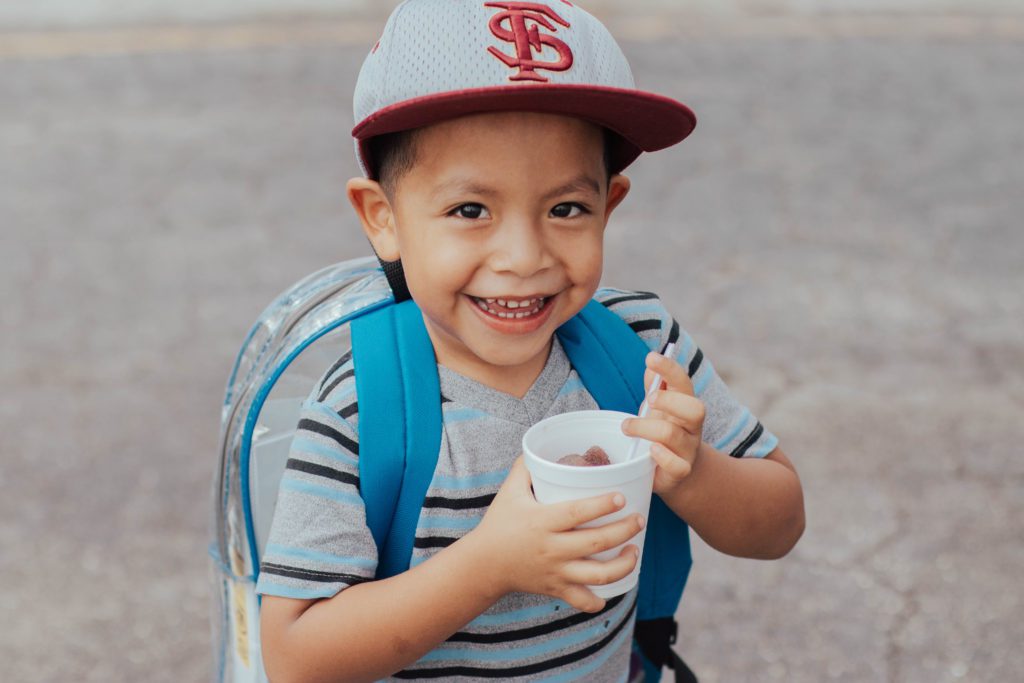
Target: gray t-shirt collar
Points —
{"points": [[527, 410]]}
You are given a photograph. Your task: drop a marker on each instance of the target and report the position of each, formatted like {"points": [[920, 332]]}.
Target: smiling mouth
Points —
{"points": [[512, 309]]}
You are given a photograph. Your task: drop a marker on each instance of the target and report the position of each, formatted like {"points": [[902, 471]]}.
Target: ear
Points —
{"points": [[618, 188], [376, 215]]}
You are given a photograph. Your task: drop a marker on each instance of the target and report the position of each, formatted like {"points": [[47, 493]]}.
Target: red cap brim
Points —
{"points": [[645, 122]]}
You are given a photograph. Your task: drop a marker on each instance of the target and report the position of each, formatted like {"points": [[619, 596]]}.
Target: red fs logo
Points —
{"points": [[527, 38]]}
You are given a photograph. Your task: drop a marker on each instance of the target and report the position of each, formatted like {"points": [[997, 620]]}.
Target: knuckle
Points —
{"points": [[666, 431]]}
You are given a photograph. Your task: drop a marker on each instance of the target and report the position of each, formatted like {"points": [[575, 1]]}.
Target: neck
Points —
{"points": [[514, 380]]}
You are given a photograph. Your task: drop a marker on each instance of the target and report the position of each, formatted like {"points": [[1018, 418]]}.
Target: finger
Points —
{"points": [[671, 465], [571, 513], [517, 480], [581, 598], [673, 375], [685, 410], [601, 573], [658, 430], [584, 542]]}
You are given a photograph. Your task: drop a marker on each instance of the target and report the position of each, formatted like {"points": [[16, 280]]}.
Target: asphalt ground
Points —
{"points": [[841, 235]]}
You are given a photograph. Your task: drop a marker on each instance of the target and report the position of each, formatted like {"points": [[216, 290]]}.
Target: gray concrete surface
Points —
{"points": [[841, 234], [51, 14]]}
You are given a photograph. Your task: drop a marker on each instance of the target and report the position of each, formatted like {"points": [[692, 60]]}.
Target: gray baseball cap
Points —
{"points": [[440, 59]]}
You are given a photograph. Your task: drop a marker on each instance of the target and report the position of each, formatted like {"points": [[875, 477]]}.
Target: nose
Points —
{"points": [[520, 248]]}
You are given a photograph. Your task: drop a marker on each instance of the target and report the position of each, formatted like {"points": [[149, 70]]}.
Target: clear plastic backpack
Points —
{"points": [[299, 335]]}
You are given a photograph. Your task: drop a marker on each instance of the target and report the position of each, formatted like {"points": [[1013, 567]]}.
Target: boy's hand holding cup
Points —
{"points": [[558, 484]]}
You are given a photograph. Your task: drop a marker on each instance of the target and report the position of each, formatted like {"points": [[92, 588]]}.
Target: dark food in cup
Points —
{"points": [[594, 457]]}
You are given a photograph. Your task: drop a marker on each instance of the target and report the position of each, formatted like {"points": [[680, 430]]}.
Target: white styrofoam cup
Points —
{"points": [[575, 432]]}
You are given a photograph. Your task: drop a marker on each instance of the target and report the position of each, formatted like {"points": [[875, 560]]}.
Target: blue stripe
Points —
{"points": [[442, 522], [525, 614], [508, 653], [721, 443], [707, 373], [488, 479], [462, 415], [306, 445], [282, 591], [571, 385], [320, 491], [581, 673], [316, 556], [330, 414], [684, 351]]}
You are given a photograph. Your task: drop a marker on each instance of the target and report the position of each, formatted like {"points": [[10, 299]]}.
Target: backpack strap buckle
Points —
{"points": [[655, 638]]}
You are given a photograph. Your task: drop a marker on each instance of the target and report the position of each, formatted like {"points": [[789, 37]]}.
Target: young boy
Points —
{"points": [[493, 136]]}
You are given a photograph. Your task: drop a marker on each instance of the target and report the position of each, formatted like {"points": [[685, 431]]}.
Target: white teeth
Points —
{"points": [[535, 305]]}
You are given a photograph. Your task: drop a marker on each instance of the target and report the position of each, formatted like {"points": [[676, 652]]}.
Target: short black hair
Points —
{"points": [[392, 155]]}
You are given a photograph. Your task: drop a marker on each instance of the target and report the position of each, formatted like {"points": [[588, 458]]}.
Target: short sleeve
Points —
{"points": [[319, 542], [729, 426]]}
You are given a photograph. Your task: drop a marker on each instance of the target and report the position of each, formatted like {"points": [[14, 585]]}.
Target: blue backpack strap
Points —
{"points": [[610, 359], [399, 426], [608, 355]]}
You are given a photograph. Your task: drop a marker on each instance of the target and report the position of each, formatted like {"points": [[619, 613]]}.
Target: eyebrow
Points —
{"points": [[581, 182], [462, 186]]}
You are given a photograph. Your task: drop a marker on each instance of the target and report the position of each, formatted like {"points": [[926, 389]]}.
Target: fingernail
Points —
{"points": [[636, 551], [619, 500], [641, 522]]}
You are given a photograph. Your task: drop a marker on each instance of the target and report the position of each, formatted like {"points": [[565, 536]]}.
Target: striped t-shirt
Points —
{"points": [[319, 543]]}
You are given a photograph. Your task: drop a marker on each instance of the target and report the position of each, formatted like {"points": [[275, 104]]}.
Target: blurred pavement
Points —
{"points": [[841, 234]]}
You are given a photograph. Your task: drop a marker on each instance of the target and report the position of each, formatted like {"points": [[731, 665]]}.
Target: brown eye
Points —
{"points": [[567, 210], [471, 211]]}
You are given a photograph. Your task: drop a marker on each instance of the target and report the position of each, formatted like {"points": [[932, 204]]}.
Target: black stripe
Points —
{"points": [[322, 471], [349, 410], [434, 542], [639, 296], [644, 325], [534, 631], [524, 670], [698, 358], [331, 433], [748, 442], [341, 378], [445, 399], [673, 335], [345, 357], [310, 574], [458, 503]]}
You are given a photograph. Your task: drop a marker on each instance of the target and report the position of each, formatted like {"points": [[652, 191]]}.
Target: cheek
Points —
{"points": [[584, 259], [437, 265]]}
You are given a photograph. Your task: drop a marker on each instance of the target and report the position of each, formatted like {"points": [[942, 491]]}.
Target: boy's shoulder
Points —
{"points": [[644, 312]]}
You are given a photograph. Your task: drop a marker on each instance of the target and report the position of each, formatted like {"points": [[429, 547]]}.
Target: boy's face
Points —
{"points": [[499, 225]]}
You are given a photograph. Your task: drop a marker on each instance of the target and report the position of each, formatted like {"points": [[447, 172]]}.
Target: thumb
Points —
{"points": [[517, 482], [518, 475]]}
